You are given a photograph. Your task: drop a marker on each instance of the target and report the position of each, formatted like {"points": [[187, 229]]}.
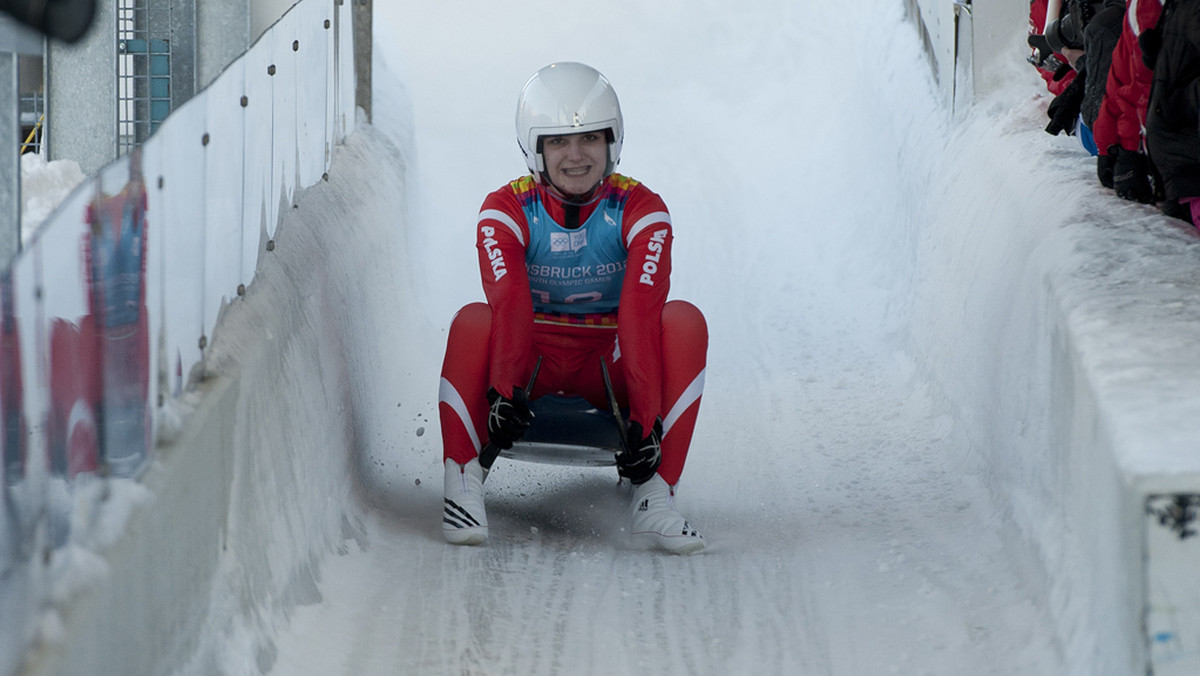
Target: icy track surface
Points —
{"points": [[849, 530]]}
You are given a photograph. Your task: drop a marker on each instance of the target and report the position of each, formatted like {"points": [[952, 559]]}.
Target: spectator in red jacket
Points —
{"points": [[1119, 133]]}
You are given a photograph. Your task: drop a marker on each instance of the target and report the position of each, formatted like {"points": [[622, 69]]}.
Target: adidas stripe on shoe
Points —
{"points": [[464, 521]]}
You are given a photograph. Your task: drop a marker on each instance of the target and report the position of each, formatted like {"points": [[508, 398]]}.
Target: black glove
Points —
{"points": [[1061, 70], [1064, 109], [1104, 168], [507, 418], [1044, 50], [1150, 44], [639, 463], [1131, 176]]}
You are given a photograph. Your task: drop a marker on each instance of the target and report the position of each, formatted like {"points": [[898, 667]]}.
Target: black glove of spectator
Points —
{"points": [[1061, 70], [1104, 168], [1045, 51], [1064, 109], [1131, 176], [1150, 44], [639, 463], [508, 418]]}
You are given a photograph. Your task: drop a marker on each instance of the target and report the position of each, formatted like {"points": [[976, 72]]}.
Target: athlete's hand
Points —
{"points": [[639, 463], [507, 418]]}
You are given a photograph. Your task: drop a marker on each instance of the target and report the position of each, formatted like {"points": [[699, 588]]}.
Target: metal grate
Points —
{"points": [[143, 70]]}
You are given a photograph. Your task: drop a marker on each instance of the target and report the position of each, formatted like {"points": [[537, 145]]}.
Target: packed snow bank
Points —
{"points": [[1059, 322], [257, 484], [44, 185]]}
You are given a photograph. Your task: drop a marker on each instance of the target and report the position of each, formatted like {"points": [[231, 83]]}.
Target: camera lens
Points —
{"points": [[1065, 33]]}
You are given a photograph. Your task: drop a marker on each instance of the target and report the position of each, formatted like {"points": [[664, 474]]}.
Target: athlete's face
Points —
{"points": [[576, 162]]}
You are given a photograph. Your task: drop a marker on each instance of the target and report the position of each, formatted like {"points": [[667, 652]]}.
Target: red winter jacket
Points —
{"points": [[1122, 117]]}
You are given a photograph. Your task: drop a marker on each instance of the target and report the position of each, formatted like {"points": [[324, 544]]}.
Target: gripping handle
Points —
{"points": [[622, 428], [487, 456]]}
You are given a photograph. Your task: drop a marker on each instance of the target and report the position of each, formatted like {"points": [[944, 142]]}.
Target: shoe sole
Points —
{"points": [[668, 544], [689, 548], [465, 536]]}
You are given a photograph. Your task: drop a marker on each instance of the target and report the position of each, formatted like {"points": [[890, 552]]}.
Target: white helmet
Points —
{"points": [[567, 98]]}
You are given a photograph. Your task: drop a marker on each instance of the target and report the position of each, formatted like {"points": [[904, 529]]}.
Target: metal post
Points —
{"points": [[361, 16], [964, 56], [10, 162]]}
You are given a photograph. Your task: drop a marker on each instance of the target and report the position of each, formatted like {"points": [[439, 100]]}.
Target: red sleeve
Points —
{"points": [[1112, 122], [1127, 90], [1056, 87], [501, 237], [647, 230], [1104, 130], [1137, 96]]}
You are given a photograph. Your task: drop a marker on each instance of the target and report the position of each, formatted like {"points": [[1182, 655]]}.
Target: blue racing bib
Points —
{"points": [[575, 271]]}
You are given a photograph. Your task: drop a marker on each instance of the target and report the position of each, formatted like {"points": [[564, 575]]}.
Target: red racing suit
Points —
{"points": [[574, 296]]}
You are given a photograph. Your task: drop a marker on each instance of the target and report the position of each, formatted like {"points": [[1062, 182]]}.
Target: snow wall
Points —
{"points": [[227, 527], [1057, 321], [107, 314]]}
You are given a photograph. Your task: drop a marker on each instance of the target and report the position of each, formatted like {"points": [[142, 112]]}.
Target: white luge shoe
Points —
{"points": [[655, 521], [464, 521]]}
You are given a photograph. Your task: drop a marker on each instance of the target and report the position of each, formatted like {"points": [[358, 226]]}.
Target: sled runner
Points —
{"points": [[566, 431]]}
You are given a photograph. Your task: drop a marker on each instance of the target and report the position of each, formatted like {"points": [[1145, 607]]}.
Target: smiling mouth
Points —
{"points": [[577, 171]]}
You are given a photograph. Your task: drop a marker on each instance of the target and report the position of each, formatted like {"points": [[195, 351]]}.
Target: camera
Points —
{"points": [[1065, 32]]}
